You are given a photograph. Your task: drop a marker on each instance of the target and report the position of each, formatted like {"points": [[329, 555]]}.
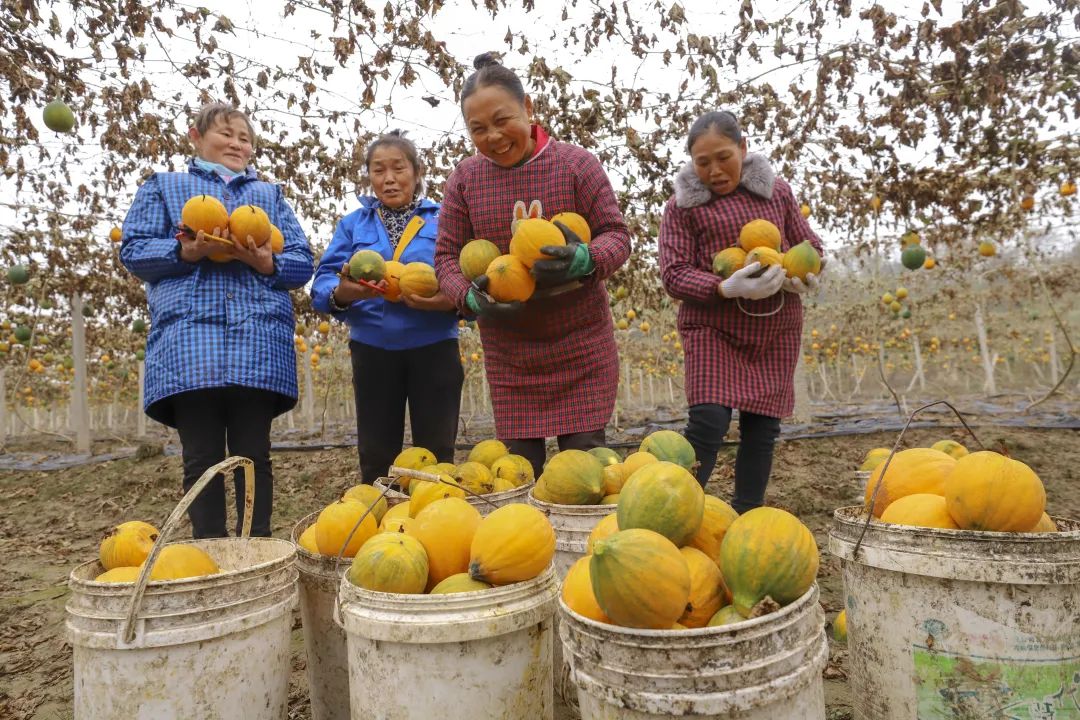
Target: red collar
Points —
{"points": [[541, 139]]}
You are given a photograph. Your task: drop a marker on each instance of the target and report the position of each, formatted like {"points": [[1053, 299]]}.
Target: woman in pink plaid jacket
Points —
{"points": [[741, 336], [551, 363]]}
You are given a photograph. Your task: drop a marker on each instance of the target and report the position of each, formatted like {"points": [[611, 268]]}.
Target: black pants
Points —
{"points": [[209, 421], [757, 436], [535, 451], [428, 378]]}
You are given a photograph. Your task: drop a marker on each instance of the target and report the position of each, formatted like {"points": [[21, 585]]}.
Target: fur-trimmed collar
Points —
{"points": [[757, 177]]}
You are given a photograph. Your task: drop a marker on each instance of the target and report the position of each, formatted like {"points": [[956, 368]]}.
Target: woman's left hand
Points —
{"points": [[259, 257], [438, 302]]}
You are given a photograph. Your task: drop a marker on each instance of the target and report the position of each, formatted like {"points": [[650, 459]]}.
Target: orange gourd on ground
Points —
{"points": [[509, 279]]}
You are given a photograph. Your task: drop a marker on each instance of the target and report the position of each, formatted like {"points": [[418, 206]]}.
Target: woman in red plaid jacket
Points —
{"points": [[552, 363], [742, 335]]}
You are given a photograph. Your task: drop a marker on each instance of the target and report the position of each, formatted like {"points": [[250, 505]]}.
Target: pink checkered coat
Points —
{"points": [[732, 358], [553, 369]]}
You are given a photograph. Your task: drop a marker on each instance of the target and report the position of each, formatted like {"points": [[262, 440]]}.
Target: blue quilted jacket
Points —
{"points": [[213, 324]]}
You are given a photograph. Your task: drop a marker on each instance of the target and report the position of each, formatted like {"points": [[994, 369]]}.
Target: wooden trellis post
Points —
{"points": [[140, 416], [984, 351], [80, 411], [3, 407], [309, 392]]}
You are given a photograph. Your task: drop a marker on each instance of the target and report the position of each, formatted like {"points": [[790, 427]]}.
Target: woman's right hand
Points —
{"points": [[194, 249], [746, 283], [349, 291]]}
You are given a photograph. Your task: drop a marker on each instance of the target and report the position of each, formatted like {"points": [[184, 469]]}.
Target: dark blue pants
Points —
{"points": [[210, 420], [705, 430]]}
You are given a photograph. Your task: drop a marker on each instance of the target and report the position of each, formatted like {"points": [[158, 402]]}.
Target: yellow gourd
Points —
{"points": [[446, 529], [335, 523], [392, 563], [707, 590], [577, 591], [514, 543], [988, 491]]}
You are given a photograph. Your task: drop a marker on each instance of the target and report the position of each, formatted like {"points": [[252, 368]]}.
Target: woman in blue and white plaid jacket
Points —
{"points": [[220, 361]]}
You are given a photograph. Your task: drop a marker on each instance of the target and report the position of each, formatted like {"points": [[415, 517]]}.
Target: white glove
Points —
{"points": [[741, 285], [797, 286]]}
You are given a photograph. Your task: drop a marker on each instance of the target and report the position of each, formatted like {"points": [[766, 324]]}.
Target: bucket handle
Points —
{"points": [[395, 473], [127, 631], [885, 466]]}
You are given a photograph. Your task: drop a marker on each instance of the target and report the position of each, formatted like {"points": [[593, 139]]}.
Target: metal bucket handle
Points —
{"points": [[127, 631], [395, 473], [885, 466]]}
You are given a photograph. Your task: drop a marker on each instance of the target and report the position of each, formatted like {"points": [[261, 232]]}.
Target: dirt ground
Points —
{"points": [[52, 521]]}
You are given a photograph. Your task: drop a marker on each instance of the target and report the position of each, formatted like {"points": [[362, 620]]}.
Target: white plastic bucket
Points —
{"points": [[205, 647], [960, 624], [768, 668], [324, 640], [572, 524], [484, 503], [482, 655]]}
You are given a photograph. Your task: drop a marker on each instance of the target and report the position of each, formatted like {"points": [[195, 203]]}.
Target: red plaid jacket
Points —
{"points": [[733, 357], [553, 369]]}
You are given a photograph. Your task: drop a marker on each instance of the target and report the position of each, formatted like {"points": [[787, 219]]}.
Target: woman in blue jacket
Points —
{"points": [[402, 352], [220, 361]]}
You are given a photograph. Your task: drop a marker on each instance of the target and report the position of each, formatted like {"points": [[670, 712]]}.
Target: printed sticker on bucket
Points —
{"points": [[955, 687]]}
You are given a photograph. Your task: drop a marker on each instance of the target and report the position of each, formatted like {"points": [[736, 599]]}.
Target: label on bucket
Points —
{"points": [[955, 687]]}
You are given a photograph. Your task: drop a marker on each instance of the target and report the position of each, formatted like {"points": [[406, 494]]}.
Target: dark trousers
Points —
{"points": [[535, 451], [210, 420], [757, 437], [428, 378]]}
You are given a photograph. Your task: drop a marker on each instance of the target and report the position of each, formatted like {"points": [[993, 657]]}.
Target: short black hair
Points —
{"points": [[723, 121], [489, 71]]}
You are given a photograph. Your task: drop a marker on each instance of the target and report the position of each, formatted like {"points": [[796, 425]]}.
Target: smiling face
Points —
{"points": [[393, 178], [227, 141], [499, 125], [718, 161]]}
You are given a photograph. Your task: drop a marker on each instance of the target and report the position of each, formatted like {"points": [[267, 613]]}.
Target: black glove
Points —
{"points": [[484, 305], [568, 262]]}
